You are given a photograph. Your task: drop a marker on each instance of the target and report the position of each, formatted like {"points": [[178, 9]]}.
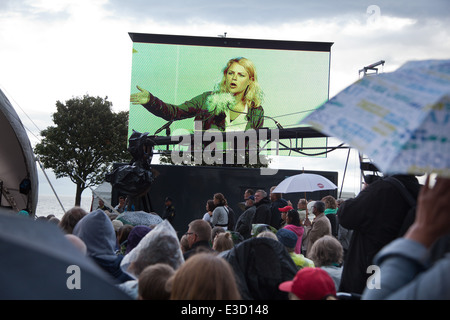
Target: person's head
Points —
{"points": [[219, 199], [248, 193], [204, 276], [310, 284], [339, 202], [223, 242], [77, 242], [240, 79], [152, 282], [288, 238], [267, 234], [215, 231], [101, 203], [250, 201], [121, 200], [135, 236], [184, 244], [274, 196], [168, 201], [259, 195], [210, 205], [302, 204], [284, 212], [123, 233], [293, 217], [330, 202], [71, 218], [326, 251], [199, 230], [318, 208]]}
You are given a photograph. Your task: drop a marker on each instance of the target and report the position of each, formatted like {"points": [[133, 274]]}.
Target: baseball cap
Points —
{"points": [[310, 284], [285, 209]]}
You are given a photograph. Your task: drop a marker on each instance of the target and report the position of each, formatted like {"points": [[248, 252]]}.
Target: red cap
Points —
{"points": [[285, 209], [310, 284]]}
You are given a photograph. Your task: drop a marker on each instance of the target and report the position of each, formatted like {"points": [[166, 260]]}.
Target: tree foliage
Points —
{"points": [[86, 139]]}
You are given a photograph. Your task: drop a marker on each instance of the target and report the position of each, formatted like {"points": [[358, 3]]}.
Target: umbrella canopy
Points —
{"points": [[401, 120], [136, 218], [39, 262], [304, 182]]}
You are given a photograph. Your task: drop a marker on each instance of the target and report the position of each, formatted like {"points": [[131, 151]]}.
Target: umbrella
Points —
{"points": [[38, 262], [304, 182], [136, 218], [401, 120]]}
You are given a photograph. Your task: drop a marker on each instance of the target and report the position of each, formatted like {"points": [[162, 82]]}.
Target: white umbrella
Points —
{"points": [[304, 182]]}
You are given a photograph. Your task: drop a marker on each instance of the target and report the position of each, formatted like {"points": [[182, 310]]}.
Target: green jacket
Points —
{"points": [[197, 107]]}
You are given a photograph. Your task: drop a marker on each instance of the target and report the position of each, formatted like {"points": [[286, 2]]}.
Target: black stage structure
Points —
{"points": [[191, 186]]}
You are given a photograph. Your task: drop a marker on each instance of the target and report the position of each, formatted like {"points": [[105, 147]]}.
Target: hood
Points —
{"points": [[97, 232]]}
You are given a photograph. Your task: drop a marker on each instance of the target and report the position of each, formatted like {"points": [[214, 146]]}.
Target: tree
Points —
{"points": [[86, 139]]}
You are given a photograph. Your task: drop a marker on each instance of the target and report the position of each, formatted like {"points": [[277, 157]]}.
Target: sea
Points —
{"points": [[49, 204]]}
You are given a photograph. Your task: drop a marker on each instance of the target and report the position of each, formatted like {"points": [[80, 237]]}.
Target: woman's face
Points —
{"points": [[237, 79]]}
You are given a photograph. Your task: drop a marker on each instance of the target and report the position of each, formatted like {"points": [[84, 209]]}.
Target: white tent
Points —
{"points": [[104, 191], [18, 172]]}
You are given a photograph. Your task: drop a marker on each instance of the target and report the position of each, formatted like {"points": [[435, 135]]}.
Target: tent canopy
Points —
{"points": [[18, 172]]}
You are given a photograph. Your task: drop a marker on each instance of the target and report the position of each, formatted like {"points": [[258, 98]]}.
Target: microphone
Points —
{"points": [[167, 125]]}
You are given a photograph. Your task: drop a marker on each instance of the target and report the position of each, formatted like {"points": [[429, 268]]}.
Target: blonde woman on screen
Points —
{"points": [[234, 104]]}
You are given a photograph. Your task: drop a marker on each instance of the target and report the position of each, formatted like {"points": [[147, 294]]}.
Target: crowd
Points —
{"points": [[274, 250]]}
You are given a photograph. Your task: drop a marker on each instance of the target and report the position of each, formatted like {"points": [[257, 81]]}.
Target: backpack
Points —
{"points": [[231, 220], [411, 215]]}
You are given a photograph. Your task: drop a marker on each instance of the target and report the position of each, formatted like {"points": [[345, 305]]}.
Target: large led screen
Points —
{"points": [[225, 83]]}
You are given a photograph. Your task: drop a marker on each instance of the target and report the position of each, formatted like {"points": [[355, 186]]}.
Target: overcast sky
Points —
{"points": [[58, 49]]}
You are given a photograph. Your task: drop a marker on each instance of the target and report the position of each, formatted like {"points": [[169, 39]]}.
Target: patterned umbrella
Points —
{"points": [[136, 218]]}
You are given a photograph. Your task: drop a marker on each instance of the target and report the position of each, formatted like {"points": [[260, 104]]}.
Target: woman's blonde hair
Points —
{"points": [[204, 276], [253, 96]]}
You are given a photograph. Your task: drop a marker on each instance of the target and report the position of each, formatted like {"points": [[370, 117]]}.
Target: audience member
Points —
{"points": [[223, 242], [169, 210], [122, 238], [262, 213], [284, 212], [210, 206], [214, 232], [160, 245], [198, 236], [376, 217], [97, 232], [293, 224], [289, 239], [77, 242], [244, 222], [184, 244], [320, 226], [330, 213], [135, 236], [102, 206], [407, 272], [152, 282], [121, 206], [267, 234], [219, 217], [277, 202], [327, 253], [310, 284], [71, 218], [204, 276]]}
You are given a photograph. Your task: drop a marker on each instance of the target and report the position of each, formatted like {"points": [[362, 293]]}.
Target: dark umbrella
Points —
{"points": [[136, 218], [38, 262]]}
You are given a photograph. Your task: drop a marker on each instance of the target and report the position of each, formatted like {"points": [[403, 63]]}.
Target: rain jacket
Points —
{"points": [[260, 265], [97, 232], [298, 230]]}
